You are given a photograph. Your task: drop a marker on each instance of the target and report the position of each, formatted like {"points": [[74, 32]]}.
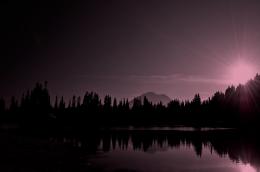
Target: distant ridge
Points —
{"points": [[154, 98]]}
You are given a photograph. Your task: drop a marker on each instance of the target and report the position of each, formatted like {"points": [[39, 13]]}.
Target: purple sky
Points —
{"points": [[126, 47]]}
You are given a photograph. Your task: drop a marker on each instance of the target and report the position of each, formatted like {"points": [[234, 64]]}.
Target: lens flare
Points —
{"points": [[246, 168], [240, 72]]}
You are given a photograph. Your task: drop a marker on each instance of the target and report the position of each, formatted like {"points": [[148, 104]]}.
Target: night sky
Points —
{"points": [[126, 47]]}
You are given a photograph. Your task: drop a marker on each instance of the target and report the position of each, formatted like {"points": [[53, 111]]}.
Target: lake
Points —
{"points": [[121, 150]]}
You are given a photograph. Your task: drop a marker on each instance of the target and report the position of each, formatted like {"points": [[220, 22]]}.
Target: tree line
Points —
{"points": [[237, 106]]}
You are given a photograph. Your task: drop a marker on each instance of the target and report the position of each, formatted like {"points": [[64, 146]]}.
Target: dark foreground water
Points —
{"points": [[132, 150]]}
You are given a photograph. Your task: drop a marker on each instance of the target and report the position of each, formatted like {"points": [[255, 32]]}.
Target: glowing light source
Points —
{"points": [[241, 72], [246, 168]]}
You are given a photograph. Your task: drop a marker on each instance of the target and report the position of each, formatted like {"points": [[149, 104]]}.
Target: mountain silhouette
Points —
{"points": [[241, 103], [154, 98]]}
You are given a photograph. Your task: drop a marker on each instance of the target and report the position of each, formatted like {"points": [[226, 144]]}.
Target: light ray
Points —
{"points": [[240, 72]]}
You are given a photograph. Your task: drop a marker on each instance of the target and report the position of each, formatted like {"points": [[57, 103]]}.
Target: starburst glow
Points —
{"points": [[240, 72]]}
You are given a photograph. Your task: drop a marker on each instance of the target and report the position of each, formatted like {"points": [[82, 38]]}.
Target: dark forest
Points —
{"points": [[236, 107]]}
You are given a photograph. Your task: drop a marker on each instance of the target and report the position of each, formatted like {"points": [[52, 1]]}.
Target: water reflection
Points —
{"points": [[206, 151], [133, 150]]}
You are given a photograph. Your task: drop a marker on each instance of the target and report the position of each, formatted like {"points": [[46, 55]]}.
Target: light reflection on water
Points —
{"points": [[162, 157], [135, 150], [178, 128]]}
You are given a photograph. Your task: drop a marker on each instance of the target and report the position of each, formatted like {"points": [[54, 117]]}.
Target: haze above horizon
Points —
{"points": [[126, 48]]}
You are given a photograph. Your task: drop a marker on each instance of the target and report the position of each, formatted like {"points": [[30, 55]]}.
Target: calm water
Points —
{"points": [[179, 159], [133, 150]]}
